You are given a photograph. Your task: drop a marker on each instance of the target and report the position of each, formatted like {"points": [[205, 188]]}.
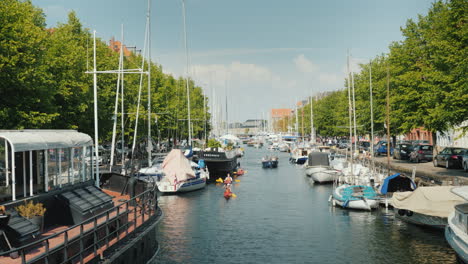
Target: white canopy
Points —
{"points": [[177, 167], [230, 137], [26, 140], [435, 201]]}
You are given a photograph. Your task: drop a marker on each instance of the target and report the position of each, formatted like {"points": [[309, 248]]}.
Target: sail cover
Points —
{"points": [[435, 201], [177, 167]]}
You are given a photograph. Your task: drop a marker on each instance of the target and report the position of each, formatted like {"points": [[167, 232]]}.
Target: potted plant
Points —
{"points": [[34, 212]]}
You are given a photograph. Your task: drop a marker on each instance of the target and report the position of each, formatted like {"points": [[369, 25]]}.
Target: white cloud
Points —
{"points": [[305, 65], [354, 65], [219, 74], [330, 79]]}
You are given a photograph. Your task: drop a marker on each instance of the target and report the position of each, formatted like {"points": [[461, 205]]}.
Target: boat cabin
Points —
{"points": [[33, 162], [461, 217]]}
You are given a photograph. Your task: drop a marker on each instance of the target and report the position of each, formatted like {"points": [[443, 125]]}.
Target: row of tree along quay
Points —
{"points": [[44, 85], [428, 81]]}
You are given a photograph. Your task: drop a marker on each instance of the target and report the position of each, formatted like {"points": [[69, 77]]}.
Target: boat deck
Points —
{"points": [[134, 218]]}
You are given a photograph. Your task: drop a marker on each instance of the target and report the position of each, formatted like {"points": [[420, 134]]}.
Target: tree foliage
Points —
{"points": [[428, 79], [45, 84]]}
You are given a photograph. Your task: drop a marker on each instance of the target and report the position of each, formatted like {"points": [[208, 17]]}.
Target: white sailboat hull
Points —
{"points": [[457, 239], [420, 219], [186, 186], [322, 174]]}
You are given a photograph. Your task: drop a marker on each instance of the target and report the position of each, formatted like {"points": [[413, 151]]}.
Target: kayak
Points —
{"points": [[227, 194]]}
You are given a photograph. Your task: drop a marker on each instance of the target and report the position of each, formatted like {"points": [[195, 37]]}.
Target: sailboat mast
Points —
{"points": [[187, 77], [388, 121], [372, 118], [149, 144], [350, 118], [96, 136], [354, 114], [312, 134], [116, 108]]}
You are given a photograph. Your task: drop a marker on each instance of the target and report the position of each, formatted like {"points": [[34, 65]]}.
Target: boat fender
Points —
{"points": [[409, 213], [401, 212]]}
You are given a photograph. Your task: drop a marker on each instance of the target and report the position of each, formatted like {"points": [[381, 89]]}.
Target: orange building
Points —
{"points": [[279, 118], [419, 134], [115, 46]]}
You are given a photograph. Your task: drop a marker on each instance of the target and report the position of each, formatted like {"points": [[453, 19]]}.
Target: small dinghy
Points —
{"points": [[359, 197]]}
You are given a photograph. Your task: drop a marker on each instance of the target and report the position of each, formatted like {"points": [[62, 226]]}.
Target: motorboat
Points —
{"points": [[426, 206], [219, 161], [359, 197], [456, 231], [395, 183], [269, 162], [318, 168], [299, 155]]}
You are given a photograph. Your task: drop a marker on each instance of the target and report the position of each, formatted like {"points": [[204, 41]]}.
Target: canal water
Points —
{"points": [[280, 216]]}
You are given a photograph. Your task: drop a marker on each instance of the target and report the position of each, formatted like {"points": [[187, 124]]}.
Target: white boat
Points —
{"points": [[456, 232], [358, 197], [426, 206], [318, 168], [176, 174]]}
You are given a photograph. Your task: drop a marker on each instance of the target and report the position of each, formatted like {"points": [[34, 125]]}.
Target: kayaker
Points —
{"points": [[227, 192], [228, 180]]}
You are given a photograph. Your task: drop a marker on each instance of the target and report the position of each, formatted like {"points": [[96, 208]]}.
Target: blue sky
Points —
{"points": [[266, 54]]}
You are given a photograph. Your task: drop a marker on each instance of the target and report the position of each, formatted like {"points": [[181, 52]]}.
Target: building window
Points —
{"points": [[52, 168]]}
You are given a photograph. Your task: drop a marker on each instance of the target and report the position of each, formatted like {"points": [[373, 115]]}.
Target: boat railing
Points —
{"points": [[91, 237]]}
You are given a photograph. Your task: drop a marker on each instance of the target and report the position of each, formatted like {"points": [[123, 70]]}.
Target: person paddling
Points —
{"points": [[228, 181], [227, 193]]}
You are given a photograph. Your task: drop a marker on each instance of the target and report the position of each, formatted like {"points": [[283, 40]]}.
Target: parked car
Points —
{"points": [[363, 146], [465, 161], [343, 144], [421, 152], [381, 149], [402, 151], [450, 157]]}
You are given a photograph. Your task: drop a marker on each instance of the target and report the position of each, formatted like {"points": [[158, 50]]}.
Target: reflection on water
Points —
{"points": [[280, 216]]}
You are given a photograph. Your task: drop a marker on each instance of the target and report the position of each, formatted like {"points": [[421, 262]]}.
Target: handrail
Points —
{"points": [[22, 250]]}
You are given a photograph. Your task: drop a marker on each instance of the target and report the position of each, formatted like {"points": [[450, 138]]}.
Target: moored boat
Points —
{"points": [[220, 162], [456, 232], [81, 203], [426, 206], [318, 168], [359, 197]]}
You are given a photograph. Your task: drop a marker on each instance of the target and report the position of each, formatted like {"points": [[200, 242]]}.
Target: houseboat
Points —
{"points": [[89, 216]]}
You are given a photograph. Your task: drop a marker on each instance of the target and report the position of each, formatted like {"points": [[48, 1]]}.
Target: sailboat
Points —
{"points": [[177, 173], [353, 194]]}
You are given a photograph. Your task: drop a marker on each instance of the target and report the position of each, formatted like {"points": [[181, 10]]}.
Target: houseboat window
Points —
{"points": [[5, 186], [88, 158], [38, 171], [77, 165], [52, 168], [65, 162]]}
